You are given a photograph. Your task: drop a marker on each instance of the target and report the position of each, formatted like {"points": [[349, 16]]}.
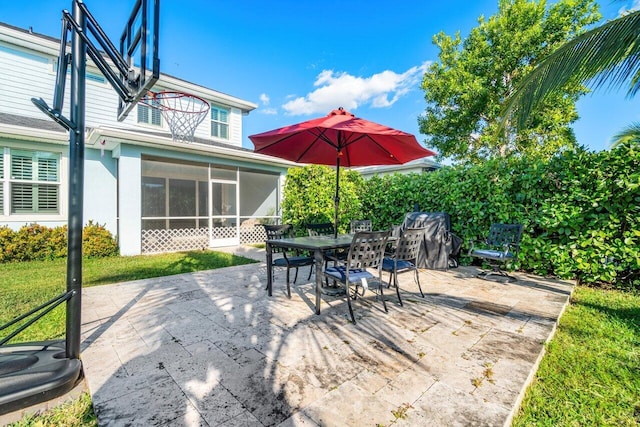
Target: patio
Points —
{"points": [[210, 348]]}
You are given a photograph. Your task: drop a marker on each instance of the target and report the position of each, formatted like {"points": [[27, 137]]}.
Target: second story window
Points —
{"points": [[219, 122], [148, 115]]}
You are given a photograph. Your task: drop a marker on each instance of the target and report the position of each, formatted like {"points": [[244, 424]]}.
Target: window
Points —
{"points": [[34, 182], [219, 122], [150, 115], [174, 195]]}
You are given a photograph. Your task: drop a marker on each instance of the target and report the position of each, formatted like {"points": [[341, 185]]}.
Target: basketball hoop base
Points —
{"points": [[35, 372]]}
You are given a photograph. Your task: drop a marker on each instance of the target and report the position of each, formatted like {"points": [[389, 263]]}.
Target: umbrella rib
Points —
{"points": [[277, 141], [320, 136], [373, 141]]}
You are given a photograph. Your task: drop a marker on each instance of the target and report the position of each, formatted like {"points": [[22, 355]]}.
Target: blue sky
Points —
{"points": [[298, 59]]}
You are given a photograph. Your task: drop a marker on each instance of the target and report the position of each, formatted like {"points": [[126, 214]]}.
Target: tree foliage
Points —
{"points": [[628, 135], [466, 89], [606, 55]]}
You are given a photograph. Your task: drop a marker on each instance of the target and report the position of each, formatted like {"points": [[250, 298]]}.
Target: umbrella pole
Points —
{"points": [[336, 199]]}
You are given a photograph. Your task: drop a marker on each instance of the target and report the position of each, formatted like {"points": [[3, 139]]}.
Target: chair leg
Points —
{"points": [[353, 318], [496, 271], [296, 276], [418, 281], [310, 271], [395, 281], [384, 304], [288, 284], [273, 275]]}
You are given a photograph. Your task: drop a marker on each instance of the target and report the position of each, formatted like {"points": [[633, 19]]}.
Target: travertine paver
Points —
{"points": [[211, 349]]}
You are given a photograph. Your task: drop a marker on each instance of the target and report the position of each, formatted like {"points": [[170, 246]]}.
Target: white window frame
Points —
{"points": [[217, 123], [153, 115], [9, 181]]}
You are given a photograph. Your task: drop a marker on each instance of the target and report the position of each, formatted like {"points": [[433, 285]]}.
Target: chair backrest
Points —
{"points": [[408, 246], [277, 232], [360, 225], [367, 249], [504, 234], [320, 229]]}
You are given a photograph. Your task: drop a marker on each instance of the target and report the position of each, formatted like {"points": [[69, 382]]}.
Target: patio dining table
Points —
{"points": [[316, 244]]}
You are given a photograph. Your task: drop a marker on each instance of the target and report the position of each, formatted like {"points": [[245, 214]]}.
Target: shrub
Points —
{"points": [[37, 242], [7, 236], [97, 241], [31, 242], [59, 241], [580, 210], [309, 197]]}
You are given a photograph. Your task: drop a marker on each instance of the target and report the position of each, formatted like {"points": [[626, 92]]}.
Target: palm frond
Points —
{"points": [[630, 135], [607, 55]]}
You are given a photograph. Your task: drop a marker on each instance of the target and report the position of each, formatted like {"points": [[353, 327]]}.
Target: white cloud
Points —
{"points": [[340, 89], [264, 98], [635, 5], [268, 111]]}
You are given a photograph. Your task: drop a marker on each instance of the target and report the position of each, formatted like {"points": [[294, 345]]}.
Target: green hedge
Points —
{"points": [[37, 242], [309, 194], [580, 210]]}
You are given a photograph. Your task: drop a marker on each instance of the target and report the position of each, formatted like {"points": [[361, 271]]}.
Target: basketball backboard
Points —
{"points": [[139, 48]]}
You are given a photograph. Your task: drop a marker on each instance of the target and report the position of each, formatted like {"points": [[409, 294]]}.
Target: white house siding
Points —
{"points": [[101, 104], [129, 200], [235, 126], [27, 75], [100, 189], [24, 75]]}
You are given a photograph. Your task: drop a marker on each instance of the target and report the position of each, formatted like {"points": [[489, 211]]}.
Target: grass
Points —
{"points": [[77, 412], [26, 285], [590, 374]]}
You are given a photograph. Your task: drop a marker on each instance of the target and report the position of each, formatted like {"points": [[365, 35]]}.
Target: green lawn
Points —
{"points": [[25, 285], [590, 374]]}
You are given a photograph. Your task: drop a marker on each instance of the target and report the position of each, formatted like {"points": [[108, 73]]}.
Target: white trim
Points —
{"points": [[33, 134], [114, 137]]}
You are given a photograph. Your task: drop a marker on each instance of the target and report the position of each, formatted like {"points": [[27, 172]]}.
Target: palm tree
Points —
{"points": [[609, 54], [628, 135]]}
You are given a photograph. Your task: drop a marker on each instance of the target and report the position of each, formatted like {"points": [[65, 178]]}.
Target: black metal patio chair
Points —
{"points": [[360, 225], [365, 253], [501, 246], [405, 257], [290, 258], [320, 229]]}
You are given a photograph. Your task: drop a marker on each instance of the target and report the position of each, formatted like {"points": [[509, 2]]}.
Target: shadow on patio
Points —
{"points": [[210, 348]]}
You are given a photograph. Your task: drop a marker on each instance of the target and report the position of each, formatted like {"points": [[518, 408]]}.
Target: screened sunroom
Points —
{"points": [[188, 205]]}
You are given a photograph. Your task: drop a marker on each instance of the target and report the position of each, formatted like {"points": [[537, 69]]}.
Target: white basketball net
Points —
{"points": [[183, 112]]}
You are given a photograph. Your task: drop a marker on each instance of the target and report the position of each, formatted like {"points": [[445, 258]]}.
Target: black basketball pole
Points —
{"points": [[76, 185]]}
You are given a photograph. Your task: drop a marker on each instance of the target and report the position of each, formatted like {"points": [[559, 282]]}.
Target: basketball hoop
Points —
{"points": [[182, 111]]}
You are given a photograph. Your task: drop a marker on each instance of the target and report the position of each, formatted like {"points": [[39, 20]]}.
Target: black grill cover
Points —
{"points": [[440, 248]]}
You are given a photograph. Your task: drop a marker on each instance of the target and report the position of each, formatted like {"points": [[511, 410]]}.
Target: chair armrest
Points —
{"points": [[471, 247]]}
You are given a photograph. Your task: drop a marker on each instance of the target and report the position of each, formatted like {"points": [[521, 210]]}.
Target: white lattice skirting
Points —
{"points": [[186, 239]]}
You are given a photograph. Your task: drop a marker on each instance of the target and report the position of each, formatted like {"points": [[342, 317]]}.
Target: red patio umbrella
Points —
{"points": [[340, 139]]}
